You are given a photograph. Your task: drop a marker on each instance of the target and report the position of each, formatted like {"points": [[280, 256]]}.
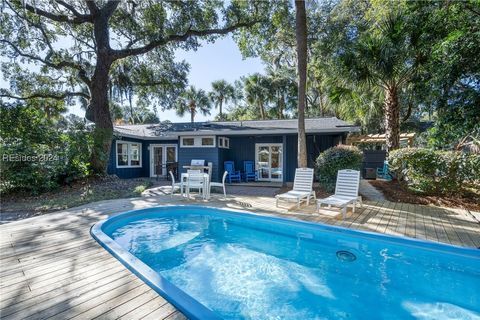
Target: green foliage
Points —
{"points": [[222, 93], [193, 101], [39, 153], [334, 159], [429, 48], [434, 172], [142, 187]]}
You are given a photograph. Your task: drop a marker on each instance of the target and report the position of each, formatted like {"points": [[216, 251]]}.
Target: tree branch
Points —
{"points": [[409, 112], [62, 64], [110, 7], [70, 7], [35, 25], [92, 6], [467, 5], [120, 54], [83, 18], [59, 96]]}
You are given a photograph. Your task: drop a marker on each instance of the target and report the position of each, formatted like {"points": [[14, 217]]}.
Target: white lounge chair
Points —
{"points": [[346, 192], [175, 184], [302, 188], [220, 184]]}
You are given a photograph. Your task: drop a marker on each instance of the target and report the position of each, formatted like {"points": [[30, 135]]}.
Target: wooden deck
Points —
{"points": [[52, 268]]}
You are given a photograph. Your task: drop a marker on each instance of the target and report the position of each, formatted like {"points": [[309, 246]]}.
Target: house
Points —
{"points": [[140, 150]]}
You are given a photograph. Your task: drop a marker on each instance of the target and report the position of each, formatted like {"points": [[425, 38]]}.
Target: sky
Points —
{"points": [[212, 61]]}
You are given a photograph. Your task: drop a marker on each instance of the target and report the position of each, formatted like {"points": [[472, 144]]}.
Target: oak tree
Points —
{"points": [[66, 50]]}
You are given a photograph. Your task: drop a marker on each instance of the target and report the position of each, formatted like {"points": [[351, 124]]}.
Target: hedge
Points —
{"points": [[434, 172]]}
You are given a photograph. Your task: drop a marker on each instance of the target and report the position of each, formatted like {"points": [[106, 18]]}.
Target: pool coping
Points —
{"points": [[192, 308]]}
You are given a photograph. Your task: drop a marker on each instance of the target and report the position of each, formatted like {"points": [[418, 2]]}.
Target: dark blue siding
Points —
{"points": [[143, 171], [291, 155], [185, 155], [241, 148], [222, 156], [315, 144]]}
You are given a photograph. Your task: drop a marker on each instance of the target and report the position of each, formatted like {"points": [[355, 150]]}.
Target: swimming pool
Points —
{"points": [[213, 263]]}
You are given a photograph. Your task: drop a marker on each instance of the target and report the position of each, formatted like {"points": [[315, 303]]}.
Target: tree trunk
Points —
{"points": [[99, 104], [220, 104], [132, 113], [103, 132], [192, 114], [99, 108], [301, 35], [262, 110], [281, 105], [322, 107], [392, 118]]}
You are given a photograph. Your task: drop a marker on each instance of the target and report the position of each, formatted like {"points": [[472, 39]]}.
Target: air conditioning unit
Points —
{"points": [[370, 173]]}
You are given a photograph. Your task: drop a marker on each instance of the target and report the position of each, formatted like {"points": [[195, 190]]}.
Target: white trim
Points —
{"points": [[197, 141], [282, 165], [129, 159], [164, 156], [224, 142]]}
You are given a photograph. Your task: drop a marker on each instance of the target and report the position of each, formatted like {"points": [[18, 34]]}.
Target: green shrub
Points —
{"points": [[142, 187], [434, 172], [39, 152], [334, 159]]}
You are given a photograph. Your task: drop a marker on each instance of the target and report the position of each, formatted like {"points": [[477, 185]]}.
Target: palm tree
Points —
{"points": [[386, 59], [283, 91], [193, 101], [257, 92], [301, 36], [221, 93]]}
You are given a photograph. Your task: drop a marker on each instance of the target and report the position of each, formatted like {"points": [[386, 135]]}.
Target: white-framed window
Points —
{"points": [[223, 142], [129, 154], [208, 141], [188, 142], [197, 142]]}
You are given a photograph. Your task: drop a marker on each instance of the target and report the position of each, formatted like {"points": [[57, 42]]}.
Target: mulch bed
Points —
{"points": [[17, 205], [397, 192]]}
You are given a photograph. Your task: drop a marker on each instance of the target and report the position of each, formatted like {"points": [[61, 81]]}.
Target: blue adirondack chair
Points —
{"points": [[249, 173], [384, 173], [232, 173]]}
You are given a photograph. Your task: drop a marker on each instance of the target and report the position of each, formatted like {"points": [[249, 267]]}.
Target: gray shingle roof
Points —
{"points": [[173, 130]]}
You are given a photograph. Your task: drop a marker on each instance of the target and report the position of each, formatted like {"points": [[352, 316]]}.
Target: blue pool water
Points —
{"points": [[241, 266]]}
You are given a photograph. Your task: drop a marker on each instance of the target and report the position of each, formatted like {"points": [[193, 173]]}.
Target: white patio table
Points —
{"points": [[206, 181]]}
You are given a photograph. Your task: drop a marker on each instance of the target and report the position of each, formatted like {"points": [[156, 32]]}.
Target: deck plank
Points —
{"points": [[145, 309], [51, 267]]}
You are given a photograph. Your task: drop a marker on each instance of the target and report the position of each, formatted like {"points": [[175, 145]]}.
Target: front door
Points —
{"points": [[161, 155], [269, 161]]}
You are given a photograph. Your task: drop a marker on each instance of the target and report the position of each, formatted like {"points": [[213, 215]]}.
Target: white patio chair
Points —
{"points": [[196, 181], [220, 185], [302, 188], [193, 171], [175, 184], [346, 192]]}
